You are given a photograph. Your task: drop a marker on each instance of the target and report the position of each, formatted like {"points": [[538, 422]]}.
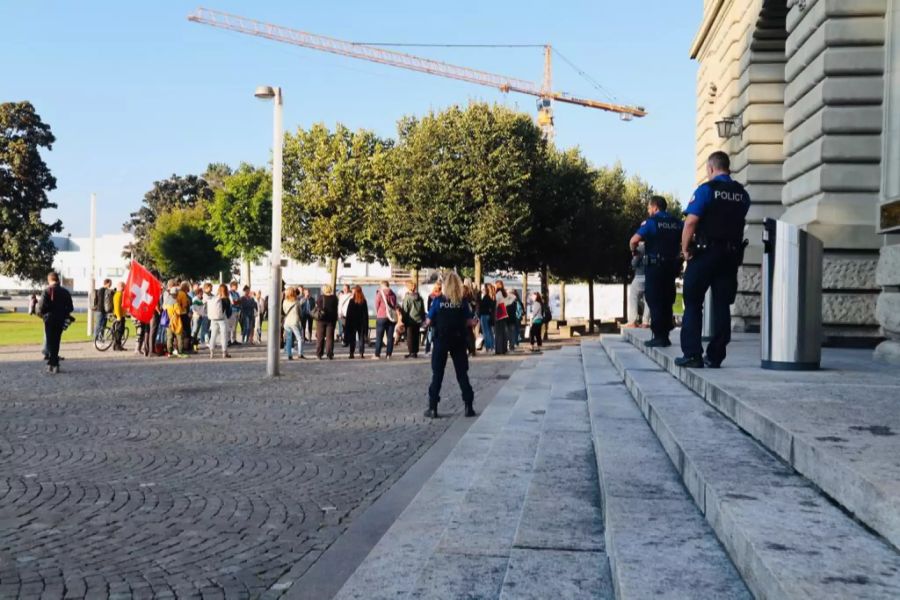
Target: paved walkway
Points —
{"points": [[131, 477]]}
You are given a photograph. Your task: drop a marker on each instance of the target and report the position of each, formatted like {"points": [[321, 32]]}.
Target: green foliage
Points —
{"points": [[240, 215], [180, 245], [460, 184], [26, 249], [216, 174], [167, 195], [333, 186]]}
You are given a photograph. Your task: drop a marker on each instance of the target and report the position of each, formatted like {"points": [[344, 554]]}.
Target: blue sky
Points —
{"points": [[134, 92]]}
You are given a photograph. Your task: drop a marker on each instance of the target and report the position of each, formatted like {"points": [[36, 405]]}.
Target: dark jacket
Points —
{"points": [[328, 305], [56, 304], [357, 317], [306, 306], [486, 306]]}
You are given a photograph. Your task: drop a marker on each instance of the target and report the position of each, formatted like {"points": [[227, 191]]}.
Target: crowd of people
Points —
{"points": [[196, 317]]}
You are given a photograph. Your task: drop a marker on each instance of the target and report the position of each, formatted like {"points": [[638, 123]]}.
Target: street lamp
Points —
{"points": [[729, 127], [265, 92]]}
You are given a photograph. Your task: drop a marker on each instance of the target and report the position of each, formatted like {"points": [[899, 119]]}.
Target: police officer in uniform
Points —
{"points": [[712, 243], [450, 319], [661, 234]]}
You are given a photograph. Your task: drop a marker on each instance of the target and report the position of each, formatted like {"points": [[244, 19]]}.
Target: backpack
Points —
{"points": [[164, 320], [107, 301], [95, 300], [389, 311], [520, 310], [546, 313]]}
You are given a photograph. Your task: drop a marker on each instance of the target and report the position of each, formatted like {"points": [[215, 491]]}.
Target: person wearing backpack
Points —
{"points": [[413, 310], [516, 312], [102, 305], [385, 319]]}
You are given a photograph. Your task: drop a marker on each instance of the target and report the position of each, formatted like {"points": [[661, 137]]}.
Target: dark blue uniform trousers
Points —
{"points": [[660, 294], [458, 352], [713, 268]]}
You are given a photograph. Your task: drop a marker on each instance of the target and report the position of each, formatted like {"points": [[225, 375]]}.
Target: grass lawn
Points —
{"points": [[22, 328], [678, 309]]}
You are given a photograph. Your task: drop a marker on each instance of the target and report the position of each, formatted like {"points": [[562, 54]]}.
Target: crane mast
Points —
{"points": [[544, 92]]}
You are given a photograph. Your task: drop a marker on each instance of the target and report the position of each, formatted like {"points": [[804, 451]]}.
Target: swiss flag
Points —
{"points": [[142, 292]]}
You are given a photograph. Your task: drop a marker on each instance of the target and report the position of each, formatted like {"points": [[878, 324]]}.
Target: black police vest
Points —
{"points": [[449, 322], [666, 243], [726, 214]]}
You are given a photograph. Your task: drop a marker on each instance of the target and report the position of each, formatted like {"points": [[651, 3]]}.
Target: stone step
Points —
{"points": [[784, 536], [659, 544], [838, 426], [493, 517]]}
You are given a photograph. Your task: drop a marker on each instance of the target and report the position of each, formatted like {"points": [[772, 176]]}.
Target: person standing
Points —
{"points": [[290, 307], [661, 234], [451, 319], [218, 311], [307, 304], [326, 318], [516, 312], [713, 244], [262, 314], [183, 300], [638, 311], [198, 313], [385, 319], [343, 301], [248, 315], [356, 326], [486, 308], [413, 310], [103, 304], [501, 320], [55, 309], [536, 322], [235, 297], [119, 314]]}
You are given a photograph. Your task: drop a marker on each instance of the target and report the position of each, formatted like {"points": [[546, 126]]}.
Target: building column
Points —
{"points": [[888, 272]]}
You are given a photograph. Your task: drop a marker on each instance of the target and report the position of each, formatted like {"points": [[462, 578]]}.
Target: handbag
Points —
{"points": [[389, 311]]}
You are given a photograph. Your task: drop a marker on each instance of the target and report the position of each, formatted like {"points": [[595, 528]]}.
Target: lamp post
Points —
{"points": [[92, 285], [266, 92]]}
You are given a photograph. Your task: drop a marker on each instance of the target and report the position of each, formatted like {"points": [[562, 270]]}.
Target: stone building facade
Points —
{"points": [[811, 85]]}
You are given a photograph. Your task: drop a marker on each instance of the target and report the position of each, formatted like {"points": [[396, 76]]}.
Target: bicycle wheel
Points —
{"points": [[103, 341], [124, 334]]}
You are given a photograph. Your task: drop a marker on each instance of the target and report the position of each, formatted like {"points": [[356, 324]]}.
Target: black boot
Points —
{"points": [[470, 412], [432, 412]]}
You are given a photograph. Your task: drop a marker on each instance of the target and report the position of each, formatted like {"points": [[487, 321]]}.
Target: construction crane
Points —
{"points": [[544, 92]]}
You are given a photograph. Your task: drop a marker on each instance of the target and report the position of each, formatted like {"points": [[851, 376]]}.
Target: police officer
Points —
{"points": [[713, 245], [450, 319], [661, 234]]}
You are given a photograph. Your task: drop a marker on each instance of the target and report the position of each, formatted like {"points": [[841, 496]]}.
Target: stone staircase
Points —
{"points": [[786, 537], [595, 474]]}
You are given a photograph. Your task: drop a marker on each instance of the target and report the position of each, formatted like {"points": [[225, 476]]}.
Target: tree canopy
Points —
{"points": [[176, 192], [332, 187], [240, 215], [179, 244], [26, 248]]}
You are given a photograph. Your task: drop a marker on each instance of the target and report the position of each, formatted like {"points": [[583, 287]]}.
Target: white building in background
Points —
{"points": [[73, 262]]}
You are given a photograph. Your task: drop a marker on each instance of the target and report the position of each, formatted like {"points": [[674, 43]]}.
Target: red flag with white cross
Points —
{"points": [[141, 294]]}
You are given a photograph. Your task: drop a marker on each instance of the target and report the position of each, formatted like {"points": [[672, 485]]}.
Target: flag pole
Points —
{"points": [[93, 281]]}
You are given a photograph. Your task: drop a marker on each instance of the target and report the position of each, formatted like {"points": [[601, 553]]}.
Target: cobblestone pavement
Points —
{"points": [[152, 478]]}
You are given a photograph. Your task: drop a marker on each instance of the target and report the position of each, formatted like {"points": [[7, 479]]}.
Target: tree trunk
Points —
{"points": [[334, 272], [477, 272], [415, 276], [590, 285], [525, 288], [545, 293], [562, 300]]}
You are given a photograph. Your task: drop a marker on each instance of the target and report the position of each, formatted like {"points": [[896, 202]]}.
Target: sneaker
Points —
{"points": [[290, 358], [689, 362], [710, 363]]}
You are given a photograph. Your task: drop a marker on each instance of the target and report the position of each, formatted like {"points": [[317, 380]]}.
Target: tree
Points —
{"points": [[240, 215], [216, 174], [332, 188], [180, 245], [26, 248], [167, 195], [461, 186]]}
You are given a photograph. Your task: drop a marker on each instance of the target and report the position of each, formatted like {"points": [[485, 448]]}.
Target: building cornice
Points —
{"points": [[709, 20]]}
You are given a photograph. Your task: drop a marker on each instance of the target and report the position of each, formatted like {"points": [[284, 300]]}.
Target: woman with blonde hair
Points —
{"points": [[450, 318]]}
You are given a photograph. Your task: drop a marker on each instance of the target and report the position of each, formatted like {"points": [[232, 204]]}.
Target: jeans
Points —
{"points": [[660, 295], [716, 269], [487, 332], [100, 318], [515, 331], [246, 327], [382, 327], [204, 330], [232, 326], [218, 330], [458, 352], [291, 334]]}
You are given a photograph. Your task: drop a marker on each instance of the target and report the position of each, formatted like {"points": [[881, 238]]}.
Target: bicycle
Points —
{"points": [[106, 336]]}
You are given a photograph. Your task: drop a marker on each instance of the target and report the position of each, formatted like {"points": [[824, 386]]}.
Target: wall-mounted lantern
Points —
{"points": [[729, 127]]}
